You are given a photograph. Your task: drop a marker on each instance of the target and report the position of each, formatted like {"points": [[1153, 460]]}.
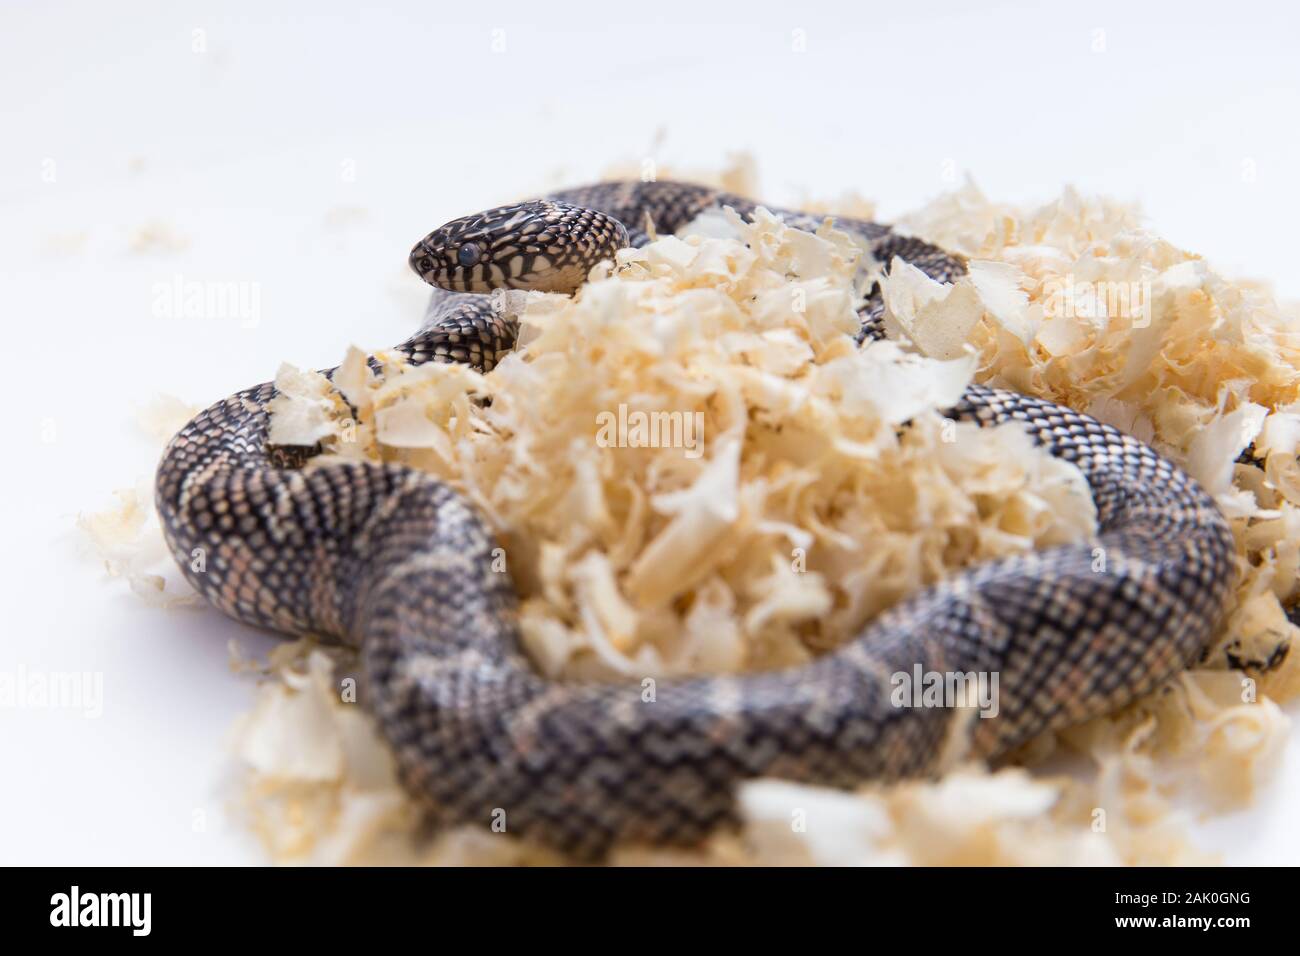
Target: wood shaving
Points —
{"points": [[158, 237], [126, 536]]}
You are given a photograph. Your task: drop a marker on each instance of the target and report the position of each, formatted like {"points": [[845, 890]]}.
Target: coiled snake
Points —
{"points": [[393, 561]]}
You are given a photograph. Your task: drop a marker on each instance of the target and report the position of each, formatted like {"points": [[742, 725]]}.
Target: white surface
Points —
{"points": [[305, 153]]}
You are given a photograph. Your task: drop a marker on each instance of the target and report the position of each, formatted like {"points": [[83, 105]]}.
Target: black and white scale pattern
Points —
{"points": [[393, 561]]}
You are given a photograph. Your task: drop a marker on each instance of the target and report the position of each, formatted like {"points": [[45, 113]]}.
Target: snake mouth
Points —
{"points": [[424, 263], [458, 267], [484, 274]]}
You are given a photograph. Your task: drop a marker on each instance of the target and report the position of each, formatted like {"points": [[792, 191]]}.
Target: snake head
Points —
{"points": [[540, 245]]}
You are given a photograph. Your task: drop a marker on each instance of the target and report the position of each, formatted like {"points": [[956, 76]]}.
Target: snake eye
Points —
{"points": [[469, 254]]}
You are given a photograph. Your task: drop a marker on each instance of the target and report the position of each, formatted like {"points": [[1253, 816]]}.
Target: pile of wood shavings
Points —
{"points": [[693, 468], [1220, 352]]}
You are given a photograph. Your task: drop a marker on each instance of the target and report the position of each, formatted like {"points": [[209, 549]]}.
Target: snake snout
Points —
{"points": [[542, 245], [430, 262]]}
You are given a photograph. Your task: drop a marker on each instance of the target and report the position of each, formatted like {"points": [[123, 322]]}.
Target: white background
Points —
{"points": [[305, 149]]}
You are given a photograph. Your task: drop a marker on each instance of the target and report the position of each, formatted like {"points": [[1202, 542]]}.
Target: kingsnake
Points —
{"points": [[393, 561]]}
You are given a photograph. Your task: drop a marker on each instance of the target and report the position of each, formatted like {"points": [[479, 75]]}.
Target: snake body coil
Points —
{"points": [[393, 561]]}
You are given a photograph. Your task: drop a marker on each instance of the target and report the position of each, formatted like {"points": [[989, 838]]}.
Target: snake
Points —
{"points": [[394, 562]]}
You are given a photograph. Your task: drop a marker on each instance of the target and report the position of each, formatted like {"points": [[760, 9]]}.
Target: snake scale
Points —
{"points": [[393, 561]]}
